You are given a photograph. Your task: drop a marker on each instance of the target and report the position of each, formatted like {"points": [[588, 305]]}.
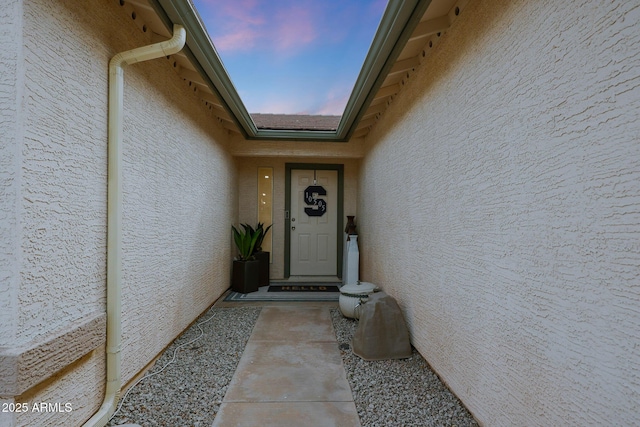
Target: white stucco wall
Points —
{"points": [[240, 147], [180, 199], [500, 205], [10, 116], [63, 170], [179, 193], [10, 123]]}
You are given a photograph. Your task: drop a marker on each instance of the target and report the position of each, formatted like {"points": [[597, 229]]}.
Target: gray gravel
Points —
{"points": [[403, 392], [190, 390]]}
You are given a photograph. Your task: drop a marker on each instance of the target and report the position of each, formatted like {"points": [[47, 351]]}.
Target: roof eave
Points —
{"points": [[398, 22]]}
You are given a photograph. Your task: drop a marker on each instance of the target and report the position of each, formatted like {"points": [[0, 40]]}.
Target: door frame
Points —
{"points": [[287, 207]]}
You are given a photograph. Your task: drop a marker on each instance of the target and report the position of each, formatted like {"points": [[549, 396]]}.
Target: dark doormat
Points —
{"points": [[307, 287], [264, 293]]}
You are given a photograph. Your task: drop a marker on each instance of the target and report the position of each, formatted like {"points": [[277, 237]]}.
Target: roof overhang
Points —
{"points": [[397, 26]]}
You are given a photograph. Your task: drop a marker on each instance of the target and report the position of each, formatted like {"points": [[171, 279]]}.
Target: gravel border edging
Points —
{"points": [[399, 392], [191, 389]]}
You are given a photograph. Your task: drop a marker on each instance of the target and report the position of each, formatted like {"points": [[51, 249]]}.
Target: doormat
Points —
{"points": [[263, 293], [311, 287]]}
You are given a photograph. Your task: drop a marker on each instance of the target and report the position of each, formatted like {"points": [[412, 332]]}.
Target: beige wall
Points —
{"points": [[10, 156], [248, 195], [240, 147], [500, 204], [179, 196]]}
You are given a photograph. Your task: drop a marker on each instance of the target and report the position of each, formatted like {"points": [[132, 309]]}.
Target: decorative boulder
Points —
{"points": [[382, 332]]}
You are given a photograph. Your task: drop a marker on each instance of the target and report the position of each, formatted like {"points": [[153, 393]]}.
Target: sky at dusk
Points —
{"points": [[292, 56]]}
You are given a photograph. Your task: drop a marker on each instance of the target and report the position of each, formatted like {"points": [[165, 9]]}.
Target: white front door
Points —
{"points": [[314, 222]]}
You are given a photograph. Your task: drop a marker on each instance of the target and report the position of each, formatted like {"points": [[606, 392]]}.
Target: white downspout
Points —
{"points": [[114, 212]]}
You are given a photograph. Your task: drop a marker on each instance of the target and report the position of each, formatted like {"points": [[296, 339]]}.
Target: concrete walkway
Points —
{"points": [[290, 374]]}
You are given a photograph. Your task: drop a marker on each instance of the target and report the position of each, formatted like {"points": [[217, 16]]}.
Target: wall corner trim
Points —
{"points": [[27, 365]]}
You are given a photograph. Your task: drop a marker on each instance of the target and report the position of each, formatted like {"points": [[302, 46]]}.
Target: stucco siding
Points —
{"points": [[179, 200], [63, 170], [10, 140], [10, 121], [500, 204], [78, 385], [179, 196], [240, 147]]}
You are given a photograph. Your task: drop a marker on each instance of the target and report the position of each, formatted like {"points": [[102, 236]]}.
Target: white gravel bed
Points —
{"points": [[189, 391], [401, 392]]}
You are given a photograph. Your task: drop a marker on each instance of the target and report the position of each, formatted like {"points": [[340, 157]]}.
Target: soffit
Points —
{"points": [[408, 31]]}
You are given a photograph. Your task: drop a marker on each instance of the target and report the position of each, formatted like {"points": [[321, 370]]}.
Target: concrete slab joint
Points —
{"points": [[25, 366]]}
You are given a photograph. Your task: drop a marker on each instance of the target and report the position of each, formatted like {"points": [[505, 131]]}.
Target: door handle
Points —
{"points": [[293, 228]]}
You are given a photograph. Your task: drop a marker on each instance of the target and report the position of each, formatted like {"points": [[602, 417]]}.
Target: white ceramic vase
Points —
{"points": [[353, 295]]}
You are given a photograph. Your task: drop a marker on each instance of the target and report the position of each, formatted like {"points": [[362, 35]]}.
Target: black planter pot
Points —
{"points": [[263, 257], [245, 276]]}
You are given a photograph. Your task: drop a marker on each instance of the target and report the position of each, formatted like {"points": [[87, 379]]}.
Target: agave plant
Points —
{"points": [[246, 241], [260, 226]]}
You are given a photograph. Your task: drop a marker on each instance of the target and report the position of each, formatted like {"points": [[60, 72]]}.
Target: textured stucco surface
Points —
{"points": [[63, 169], [500, 204], [75, 385], [10, 134], [179, 194], [248, 196], [23, 367], [180, 197], [240, 147]]}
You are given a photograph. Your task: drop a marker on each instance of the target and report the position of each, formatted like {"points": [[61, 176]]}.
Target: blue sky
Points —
{"points": [[292, 56]]}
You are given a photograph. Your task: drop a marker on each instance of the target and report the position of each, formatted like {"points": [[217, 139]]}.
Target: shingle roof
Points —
{"points": [[295, 121]]}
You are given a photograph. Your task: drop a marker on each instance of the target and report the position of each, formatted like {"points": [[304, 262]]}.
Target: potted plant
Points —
{"points": [[246, 268], [262, 256]]}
